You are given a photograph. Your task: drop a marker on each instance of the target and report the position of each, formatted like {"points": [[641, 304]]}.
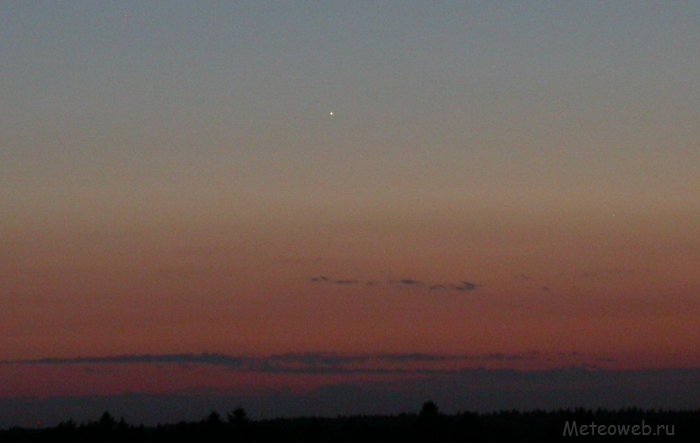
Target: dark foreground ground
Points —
{"points": [[427, 426]]}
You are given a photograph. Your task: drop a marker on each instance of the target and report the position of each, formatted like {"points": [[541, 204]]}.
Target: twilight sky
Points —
{"points": [[497, 179]]}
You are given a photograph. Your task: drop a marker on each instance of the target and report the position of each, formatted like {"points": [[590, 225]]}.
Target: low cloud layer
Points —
{"points": [[469, 390], [327, 362]]}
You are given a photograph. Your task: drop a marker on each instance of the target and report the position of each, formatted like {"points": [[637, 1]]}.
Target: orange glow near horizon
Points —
{"points": [[495, 179]]}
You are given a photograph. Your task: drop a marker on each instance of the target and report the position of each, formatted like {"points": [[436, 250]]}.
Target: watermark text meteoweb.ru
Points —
{"points": [[593, 429]]}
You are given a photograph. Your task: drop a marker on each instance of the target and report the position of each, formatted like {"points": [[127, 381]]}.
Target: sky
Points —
{"points": [[505, 185]]}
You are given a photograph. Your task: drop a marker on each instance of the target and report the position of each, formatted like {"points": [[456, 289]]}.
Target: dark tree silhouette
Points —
{"points": [[429, 425], [107, 422], [213, 419], [429, 411], [238, 416]]}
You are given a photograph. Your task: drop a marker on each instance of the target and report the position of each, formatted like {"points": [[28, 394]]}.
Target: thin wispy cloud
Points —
{"points": [[466, 286], [319, 362], [335, 281], [410, 282], [463, 286], [600, 273], [346, 282]]}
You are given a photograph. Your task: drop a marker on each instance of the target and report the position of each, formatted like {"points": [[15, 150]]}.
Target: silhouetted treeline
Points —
{"points": [[429, 425]]}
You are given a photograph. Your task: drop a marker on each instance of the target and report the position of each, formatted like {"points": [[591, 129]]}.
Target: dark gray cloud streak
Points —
{"points": [[316, 362], [410, 282], [466, 286], [463, 286], [324, 279]]}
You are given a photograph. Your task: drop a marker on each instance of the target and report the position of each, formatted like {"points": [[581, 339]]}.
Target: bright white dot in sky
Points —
{"points": [[331, 113]]}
